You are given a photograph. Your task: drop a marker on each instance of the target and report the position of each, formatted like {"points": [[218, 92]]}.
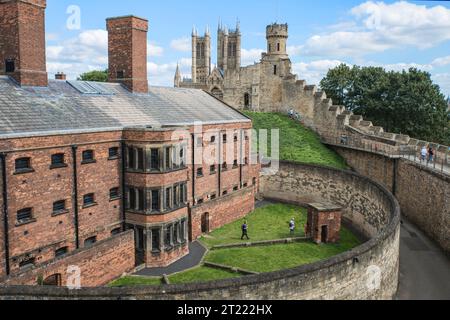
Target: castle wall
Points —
{"points": [[2, 226]]}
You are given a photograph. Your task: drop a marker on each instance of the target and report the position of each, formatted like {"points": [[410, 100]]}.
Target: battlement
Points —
{"points": [[277, 30]]}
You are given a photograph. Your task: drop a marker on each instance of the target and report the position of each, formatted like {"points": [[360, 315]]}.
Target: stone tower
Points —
{"points": [[22, 41], [277, 36], [201, 56], [229, 48], [127, 52]]}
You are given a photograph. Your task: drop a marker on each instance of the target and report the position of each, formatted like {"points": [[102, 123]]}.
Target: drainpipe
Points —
{"points": [[394, 177], [75, 196], [193, 170], [122, 167], [241, 158], [5, 211], [219, 172]]}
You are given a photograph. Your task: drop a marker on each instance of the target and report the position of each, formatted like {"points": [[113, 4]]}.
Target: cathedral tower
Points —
{"points": [[229, 48], [201, 56]]}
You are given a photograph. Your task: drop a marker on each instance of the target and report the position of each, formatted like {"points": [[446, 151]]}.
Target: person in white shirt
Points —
{"points": [[423, 153]]}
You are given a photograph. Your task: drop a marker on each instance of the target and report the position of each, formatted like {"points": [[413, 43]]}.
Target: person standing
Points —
{"points": [[292, 226], [423, 154], [245, 230], [430, 155]]}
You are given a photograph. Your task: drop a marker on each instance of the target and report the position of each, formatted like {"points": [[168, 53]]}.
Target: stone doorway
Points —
{"points": [[53, 280], [324, 234], [205, 223]]}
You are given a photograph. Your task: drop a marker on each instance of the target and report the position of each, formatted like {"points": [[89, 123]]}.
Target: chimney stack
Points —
{"points": [[22, 41], [127, 52], [60, 76]]}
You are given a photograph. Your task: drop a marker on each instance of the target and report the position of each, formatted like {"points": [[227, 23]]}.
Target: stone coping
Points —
{"points": [[304, 270], [259, 243]]}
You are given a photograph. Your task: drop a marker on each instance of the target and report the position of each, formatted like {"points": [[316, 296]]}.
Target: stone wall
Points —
{"points": [[368, 205], [99, 264], [423, 194]]}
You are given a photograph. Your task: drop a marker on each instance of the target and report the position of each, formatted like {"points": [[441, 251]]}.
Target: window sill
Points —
{"points": [[88, 162], [89, 205], [60, 213], [199, 177], [114, 199], [23, 171], [23, 223], [58, 166], [113, 158], [156, 253], [213, 173]]}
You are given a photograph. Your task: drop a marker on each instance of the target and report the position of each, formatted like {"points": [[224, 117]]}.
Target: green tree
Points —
{"points": [[96, 75], [405, 102]]}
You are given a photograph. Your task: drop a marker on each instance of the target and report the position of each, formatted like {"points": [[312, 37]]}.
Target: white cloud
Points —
{"points": [[182, 44], [154, 51], [314, 71], [443, 80], [441, 62], [378, 27], [250, 56], [163, 74]]}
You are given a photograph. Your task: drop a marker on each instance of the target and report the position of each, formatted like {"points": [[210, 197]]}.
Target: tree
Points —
{"points": [[401, 102], [96, 75]]}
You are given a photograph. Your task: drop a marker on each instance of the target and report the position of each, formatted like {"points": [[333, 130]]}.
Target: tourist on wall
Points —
{"points": [[423, 153], [292, 226], [430, 155], [245, 230]]}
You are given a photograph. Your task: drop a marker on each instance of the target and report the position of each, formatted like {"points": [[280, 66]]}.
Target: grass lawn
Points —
{"points": [[297, 143], [266, 223], [201, 274], [285, 256], [129, 281]]}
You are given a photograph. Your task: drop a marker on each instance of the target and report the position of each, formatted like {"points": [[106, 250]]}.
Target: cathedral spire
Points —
{"points": [[177, 79]]}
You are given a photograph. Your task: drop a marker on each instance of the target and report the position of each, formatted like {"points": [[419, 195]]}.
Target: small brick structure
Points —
{"points": [[324, 222]]}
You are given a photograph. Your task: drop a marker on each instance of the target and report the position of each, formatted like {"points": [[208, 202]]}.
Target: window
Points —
{"points": [[155, 200], [199, 142], [182, 231], [61, 252], [90, 241], [168, 237], [27, 263], [275, 70], [200, 172], [114, 194], [140, 159], [213, 196], [236, 138], [132, 199], [278, 46], [245, 185], [58, 160], [120, 74], [141, 201], [113, 153], [224, 138], [168, 158], [213, 139], [168, 202], [182, 154], [59, 206], [236, 188], [176, 230], [88, 200], [88, 156], [140, 238], [176, 198], [156, 240], [10, 65], [235, 164], [224, 166], [116, 231], [131, 158], [270, 47], [24, 215], [212, 169], [246, 100], [254, 181], [200, 201], [154, 159], [183, 193], [23, 165], [225, 193], [246, 161]]}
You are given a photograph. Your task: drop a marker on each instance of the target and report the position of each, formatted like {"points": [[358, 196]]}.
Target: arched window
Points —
{"points": [[278, 46], [246, 100]]}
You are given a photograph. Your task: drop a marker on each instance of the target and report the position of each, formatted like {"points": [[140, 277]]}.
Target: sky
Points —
{"points": [[322, 34]]}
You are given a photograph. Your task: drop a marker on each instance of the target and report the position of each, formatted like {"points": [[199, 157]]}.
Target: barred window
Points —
{"points": [[23, 164], [24, 215], [59, 206]]}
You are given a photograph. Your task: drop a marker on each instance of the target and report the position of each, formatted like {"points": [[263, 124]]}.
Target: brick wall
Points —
{"points": [[2, 227], [222, 211], [99, 265]]}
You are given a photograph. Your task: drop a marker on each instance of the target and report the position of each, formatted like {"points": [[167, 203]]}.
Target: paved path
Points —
{"points": [[193, 259], [424, 267]]}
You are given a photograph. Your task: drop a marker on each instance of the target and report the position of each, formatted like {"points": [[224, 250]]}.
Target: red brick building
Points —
{"points": [[82, 162]]}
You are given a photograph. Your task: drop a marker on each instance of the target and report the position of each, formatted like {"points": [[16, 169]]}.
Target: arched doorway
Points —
{"points": [[216, 92], [247, 100], [205, 222], [54, 280]]}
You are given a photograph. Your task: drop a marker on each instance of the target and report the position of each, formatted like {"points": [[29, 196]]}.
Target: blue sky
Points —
{"points": [[323, 33]]}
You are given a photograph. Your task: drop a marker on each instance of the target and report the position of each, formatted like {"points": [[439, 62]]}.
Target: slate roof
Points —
{"points": [[60, 108]]}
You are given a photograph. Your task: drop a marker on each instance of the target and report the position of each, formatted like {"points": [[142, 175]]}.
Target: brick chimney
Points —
{"points": [[60, 76], [22, 41], [127, 52]]}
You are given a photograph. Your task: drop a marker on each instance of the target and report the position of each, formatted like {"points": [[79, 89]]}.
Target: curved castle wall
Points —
{"points": [[351, 275]]}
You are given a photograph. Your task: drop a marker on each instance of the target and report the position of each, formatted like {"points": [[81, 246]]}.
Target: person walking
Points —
{"points": [[423, 154], [245, 230], [292, 226], [430, 155]]}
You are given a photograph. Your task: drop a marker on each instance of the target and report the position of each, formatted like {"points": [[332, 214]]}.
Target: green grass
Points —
{"points": [[297, 143], [129, 281], [266, 223], [201, 274]]}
